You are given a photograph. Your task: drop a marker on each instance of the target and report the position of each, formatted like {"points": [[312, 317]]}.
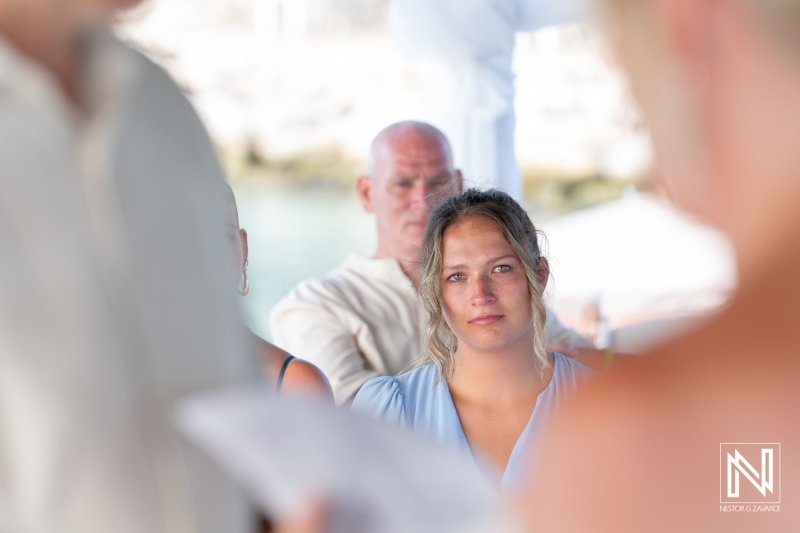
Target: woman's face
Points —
{"points": [[237, 240], [484, 287]]}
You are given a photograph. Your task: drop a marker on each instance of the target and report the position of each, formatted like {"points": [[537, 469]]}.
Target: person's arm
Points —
{"points": [[594, 358], [303, 378], [299, 377], [559, 335], [317, 335], [569, 342]]}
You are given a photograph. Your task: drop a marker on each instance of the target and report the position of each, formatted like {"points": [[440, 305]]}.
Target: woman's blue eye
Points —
{"points": [[456, 277], [502, 268]]}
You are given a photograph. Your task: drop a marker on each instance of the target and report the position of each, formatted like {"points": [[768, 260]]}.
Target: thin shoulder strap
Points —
{"points": [[283, 371]]}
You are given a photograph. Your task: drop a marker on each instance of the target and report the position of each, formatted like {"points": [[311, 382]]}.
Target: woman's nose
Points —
{"points": [[482, 293]]}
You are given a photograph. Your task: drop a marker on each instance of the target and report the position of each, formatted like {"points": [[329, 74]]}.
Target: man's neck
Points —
{"points": [[411, 270], [409, 263], [48, 41]]}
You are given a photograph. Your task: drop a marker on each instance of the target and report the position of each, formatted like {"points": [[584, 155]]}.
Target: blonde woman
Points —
{"points": [[286, 372], [489, 385], [719, 84]]}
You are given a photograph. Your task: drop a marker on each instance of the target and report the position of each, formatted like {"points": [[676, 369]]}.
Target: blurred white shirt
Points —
{"points": [[113, 302]]}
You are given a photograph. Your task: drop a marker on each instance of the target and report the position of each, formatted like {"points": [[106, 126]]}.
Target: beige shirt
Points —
{"points": [[360, 321], [113, 302]]}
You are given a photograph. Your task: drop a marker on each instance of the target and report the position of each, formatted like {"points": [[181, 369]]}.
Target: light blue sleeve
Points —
{"points": [[381, 398]]}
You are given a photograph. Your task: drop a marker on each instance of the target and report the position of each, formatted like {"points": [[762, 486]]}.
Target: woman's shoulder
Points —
{"points": [[421, 376], [570, 372], [380, 397], [389, 397]]}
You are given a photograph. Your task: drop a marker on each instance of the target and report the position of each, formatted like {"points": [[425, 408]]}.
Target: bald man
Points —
{"points": [[363, 319]]}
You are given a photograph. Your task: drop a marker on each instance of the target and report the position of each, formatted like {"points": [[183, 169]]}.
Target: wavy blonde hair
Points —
{"points": [[519, 231]]}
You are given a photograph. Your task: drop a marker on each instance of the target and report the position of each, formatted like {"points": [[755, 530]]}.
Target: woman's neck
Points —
{"points": [[498, 379]]}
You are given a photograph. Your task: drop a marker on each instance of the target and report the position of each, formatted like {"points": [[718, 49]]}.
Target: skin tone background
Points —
{"points": [[719, 88]]}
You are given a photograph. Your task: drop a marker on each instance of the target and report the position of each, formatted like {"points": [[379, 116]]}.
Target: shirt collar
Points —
{"points": [[387, 268]]}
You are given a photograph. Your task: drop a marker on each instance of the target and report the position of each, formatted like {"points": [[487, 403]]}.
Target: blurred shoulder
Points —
{"points": [[137, 57], [330, 287], [342, 294], [304, 377], [300, 376], [152, 92]]}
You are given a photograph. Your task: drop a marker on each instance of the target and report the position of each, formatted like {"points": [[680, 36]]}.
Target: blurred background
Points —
{"points": [[293, 91]]}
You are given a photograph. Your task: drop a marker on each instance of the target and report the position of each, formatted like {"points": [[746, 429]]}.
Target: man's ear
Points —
{"points": [[459, 182], [543, 273], [364, 192]]}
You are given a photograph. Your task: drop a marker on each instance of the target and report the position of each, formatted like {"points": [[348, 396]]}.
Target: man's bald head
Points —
{"points": [[409, 172], [404, 135]]}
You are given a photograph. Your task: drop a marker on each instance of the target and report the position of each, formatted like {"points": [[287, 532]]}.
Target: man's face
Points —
{"points": [[412, 174]]}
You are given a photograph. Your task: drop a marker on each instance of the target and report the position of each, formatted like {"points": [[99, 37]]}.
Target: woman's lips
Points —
{"points": [[485, 320]]}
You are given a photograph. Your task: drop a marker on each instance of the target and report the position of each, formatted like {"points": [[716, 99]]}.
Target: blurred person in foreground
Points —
{"points": [[113, 301], [363, 319], [488, 385], [719, 83], [290, 375]]}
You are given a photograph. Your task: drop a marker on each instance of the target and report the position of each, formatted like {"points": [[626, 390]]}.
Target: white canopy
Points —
{"points": [[470, 92]]}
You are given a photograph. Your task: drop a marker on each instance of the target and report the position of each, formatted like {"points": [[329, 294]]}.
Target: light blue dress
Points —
{"points": [[415, 400]]}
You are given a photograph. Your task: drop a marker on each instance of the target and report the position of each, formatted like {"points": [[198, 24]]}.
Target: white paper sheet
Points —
{"points": [[379, 479]]}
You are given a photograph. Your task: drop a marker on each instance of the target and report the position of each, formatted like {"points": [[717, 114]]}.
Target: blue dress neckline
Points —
{"points": [[417, 400], [519, 446]]}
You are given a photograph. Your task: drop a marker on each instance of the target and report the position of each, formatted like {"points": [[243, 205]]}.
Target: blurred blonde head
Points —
{"points": [[718, 82]]}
